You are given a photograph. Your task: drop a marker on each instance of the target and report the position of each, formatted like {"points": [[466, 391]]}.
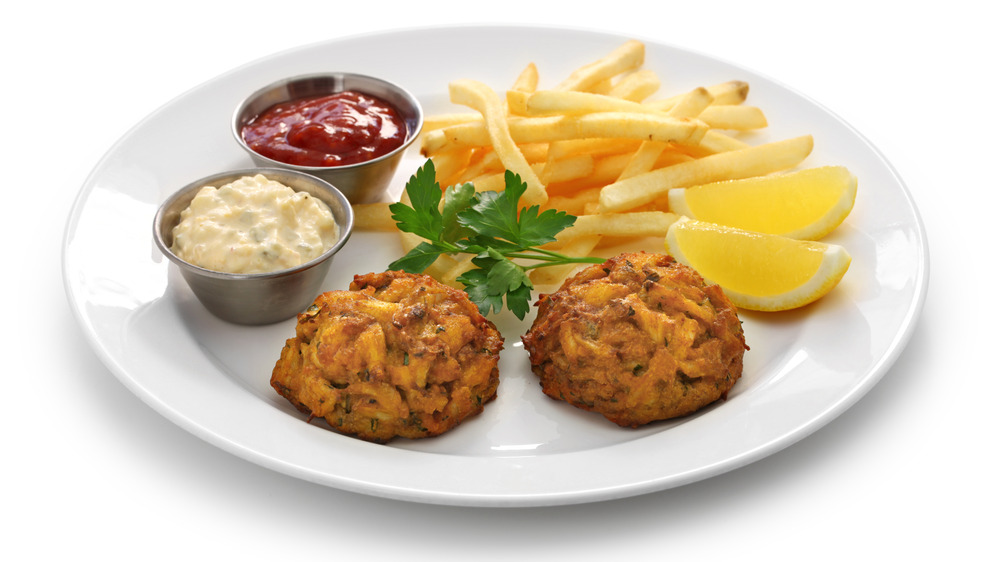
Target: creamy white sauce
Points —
{"points": [[253, 225]]}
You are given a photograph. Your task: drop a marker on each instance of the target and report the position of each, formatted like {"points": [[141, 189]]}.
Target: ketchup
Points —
{"points": [[334, 130]]}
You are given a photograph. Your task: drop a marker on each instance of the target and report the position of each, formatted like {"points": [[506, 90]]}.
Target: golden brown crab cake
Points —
{"points": [[396, 355], [637, 339]]}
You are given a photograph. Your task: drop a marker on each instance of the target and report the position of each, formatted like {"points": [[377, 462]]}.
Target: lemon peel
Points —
{"points": [[806, 204], [758, 271]]}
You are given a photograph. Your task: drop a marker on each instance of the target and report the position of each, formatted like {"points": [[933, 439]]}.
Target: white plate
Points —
{"points": [[212, 378]]}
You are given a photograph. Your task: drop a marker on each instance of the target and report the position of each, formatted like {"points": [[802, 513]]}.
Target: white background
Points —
{"points": [[909, 470]]}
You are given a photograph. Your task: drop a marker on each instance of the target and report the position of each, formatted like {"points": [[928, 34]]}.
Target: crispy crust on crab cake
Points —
{"points": [[637, 339], [396, 355]]}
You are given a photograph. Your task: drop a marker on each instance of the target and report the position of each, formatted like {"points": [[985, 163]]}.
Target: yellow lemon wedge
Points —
{"points": [[758, 271], [805, 205]]}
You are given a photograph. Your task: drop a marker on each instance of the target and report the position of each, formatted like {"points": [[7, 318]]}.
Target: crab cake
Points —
{"points": [[396, 355], [637, 339]]}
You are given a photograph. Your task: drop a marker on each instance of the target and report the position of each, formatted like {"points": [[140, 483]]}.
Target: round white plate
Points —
{"points": [[804, 368]]}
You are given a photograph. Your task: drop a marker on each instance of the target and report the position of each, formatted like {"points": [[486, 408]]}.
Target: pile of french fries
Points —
{"points": [[598, 146]]}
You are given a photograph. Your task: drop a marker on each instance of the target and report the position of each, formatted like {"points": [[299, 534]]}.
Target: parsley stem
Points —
{"points": [[556, 261], [546, 256], [566, 258], [463, 221]]}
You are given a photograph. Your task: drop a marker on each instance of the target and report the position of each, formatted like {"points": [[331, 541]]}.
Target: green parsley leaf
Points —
{"points": [[541, 228], [476, 287], [505, 277], [519, 301], [418, 259], [457, 198], [496, 215], [489, 225], [422, 218]]}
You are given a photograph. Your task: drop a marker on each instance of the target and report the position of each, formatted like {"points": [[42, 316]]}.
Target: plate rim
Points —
{"points": [[900, 339]]}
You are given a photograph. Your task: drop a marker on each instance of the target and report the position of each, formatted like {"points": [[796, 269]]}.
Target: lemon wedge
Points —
{"points": [[758, 271], [806, 204]]}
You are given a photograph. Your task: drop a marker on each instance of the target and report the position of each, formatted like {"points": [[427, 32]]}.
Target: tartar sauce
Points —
{"points": [[253, 225]]}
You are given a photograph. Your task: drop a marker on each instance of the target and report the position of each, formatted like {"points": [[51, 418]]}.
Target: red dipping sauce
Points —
{"points": [[334, 130]]}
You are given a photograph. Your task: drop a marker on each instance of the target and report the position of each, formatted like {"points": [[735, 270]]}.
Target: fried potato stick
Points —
{"points": [[496, 181], [748, 162], [484, 100], [628, 56], [733, 92], [642, 126], [602, 87], [527, 81], [556, 102], [440, 267], [554, 275], [462, 264], [592, 146], [644, 159], [735, 117], [691, 104], [449, 163], [576, 203], [716, 141], [566, 169], [442, 120], [632, 224], [373, 217], [636, 86]]}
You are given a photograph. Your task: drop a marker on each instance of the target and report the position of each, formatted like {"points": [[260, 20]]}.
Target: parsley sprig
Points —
{"points": [[489, 225]]}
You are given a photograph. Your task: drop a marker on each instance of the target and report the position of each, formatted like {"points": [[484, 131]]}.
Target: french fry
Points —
{"points": [[535, 152], [373, 217], [691, 104], [735, 117], [497, 182], [609, 168], [487, 162], [717, 141], [579, 246], [641, 126], [575, 204], [556, 102], [451, 275], [483, 161], [733, 92], [489, 182], [636, 86], [639, 224], [672, 155], [442, 265], [606, 170], [596, 146], [527, 81], [602, 87], [753, 161], [626, 57], [645, 158], [484, 100], [449, 163], [442, 120], [566, 169], [517, 102]]}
